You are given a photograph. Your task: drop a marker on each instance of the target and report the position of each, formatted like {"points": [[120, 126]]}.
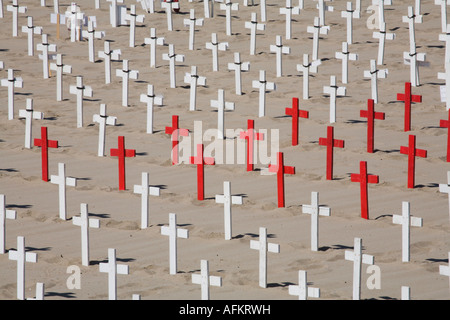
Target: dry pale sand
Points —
{"points": [[57, 242]]}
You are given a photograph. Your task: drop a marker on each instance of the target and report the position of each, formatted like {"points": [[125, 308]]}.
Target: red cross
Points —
{"points": [[407, 97], [44, 143], [176, 132], [201, 161], [296, 113], [371, 115], [250, 135], [363, 178], [446, 124], [412, 153], [122, 153], [281, 170], [330, 143]]}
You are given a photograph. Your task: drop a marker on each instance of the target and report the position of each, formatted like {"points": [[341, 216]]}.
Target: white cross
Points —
{"points": [[405, 220], [109, 55], [334, 91], [85, 223], [125, 73], [443, 4], [279, 49], [114, 13], [228, 6], [172, 58], [221, 106], [113, 269], [445, 188], [80, 90], [133, 18], [208, 7], [350, 14], [28, 113], [345, 56], [445, 270], [411, 19], [11, 82], [169, 5], [148, 5], [215, 46], [227, 199], [102, 119], [314, 210], [381, 4], [76, 19], [191, 23], [145, 190], [205, 280], [446, 37], [194, 80], [263, 247], [153, 41], [263, 86], [289, 10], [253, 25], [406, 293], [151, 99], [322, 9], [60, 68], [173, 232], [316, 30], [246, 3], [15, 9], [374, 74], [302, 290], [45, 47], [238, 67], [412, 58], [1, 8], [358, 259], [90, 34], [305, 68], [21, 257], [30, 29], [4, 214], [382, 35], [445, 89], [39, 292], [262, 4], [62, 181]]}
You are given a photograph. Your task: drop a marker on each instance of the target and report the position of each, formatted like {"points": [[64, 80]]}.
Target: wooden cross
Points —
{"points": [[279, 49], [11, 82], [151, 99], [221, 106], [191, 23], [193, 79], [358, 259], [205, 280], [446, 124], [57, 18], [412, 153], [102, 119], [107, 54], [334, 91], [133, 18], [62, 181], [145, 190], [405, 220], [84, 222], [80, 90], [200, 160], [250, 136], [172, 58], [302, 290], [305, 68], [122, 153], [238, 67], [382, 35], [315, 211], [29, 114], [45, 47], [371, 115], [263, 85], [90, 34], [330, 143], [253, 25], [215, 46], [30, 29], [316, 30], [170, 5], [374, 74], [174, 233], [227, 199], [44, 143], [153, 41], [15, 9], [60, 68], [350, 14], [345, 56], [228, 6], [175, 131], [445, 188], [295, 113], [263, 247], [289, 10], [408, 97], [281, 170], [322, 9], [445, 270], [112, 269], [363, 178], [4, 214], [443, 4], [21, 257], [125, 73]]}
